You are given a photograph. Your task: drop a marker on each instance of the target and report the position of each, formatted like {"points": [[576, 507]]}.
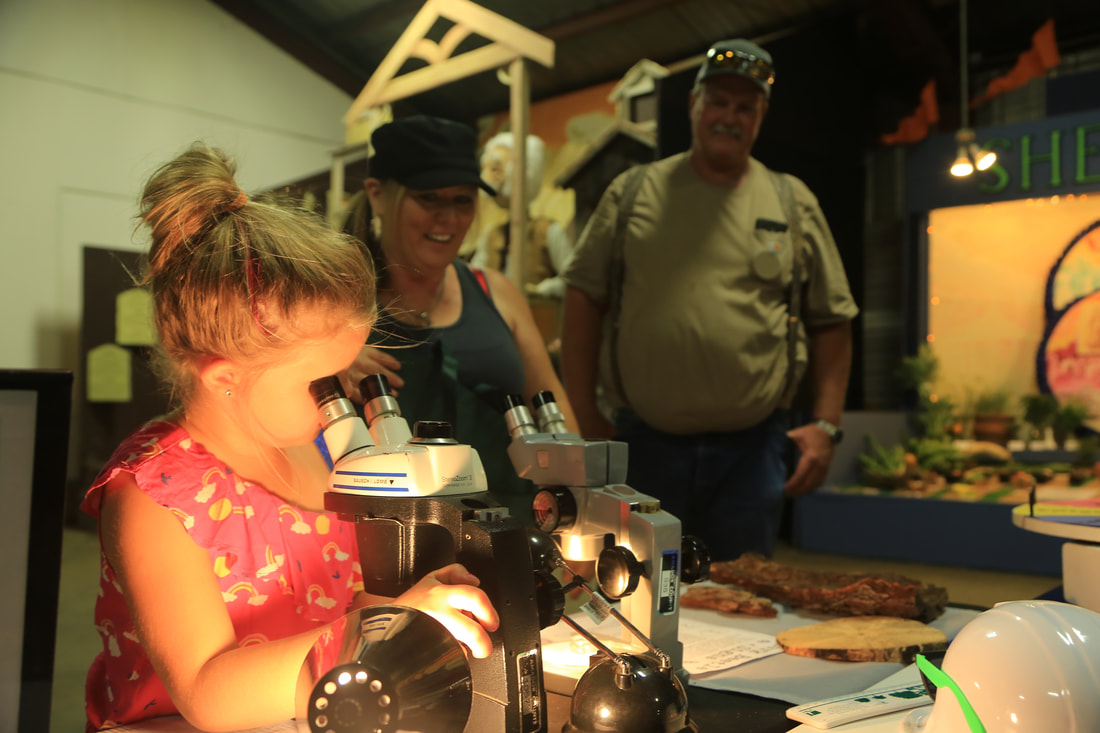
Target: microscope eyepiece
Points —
{"points": [[343, 430], [517, 417], [427, 431], [325, 390], [373, 386], [547, 413]]}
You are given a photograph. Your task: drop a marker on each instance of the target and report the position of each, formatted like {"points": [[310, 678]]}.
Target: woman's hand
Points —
{"points": [[371, 360], [450, 595]]}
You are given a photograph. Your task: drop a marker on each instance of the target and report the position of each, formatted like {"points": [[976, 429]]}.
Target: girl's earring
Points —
{"points": [[376, 227], [228, 393]]}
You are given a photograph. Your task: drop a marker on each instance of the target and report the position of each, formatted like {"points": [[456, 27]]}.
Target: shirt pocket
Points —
{"points": [[770, 258]]}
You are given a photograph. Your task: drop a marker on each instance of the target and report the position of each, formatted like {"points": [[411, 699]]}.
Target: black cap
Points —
{"points": [[742, 57], [422, 153]]}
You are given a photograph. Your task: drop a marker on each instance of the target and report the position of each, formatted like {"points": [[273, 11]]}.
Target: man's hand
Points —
{"points": [[816, 449]]}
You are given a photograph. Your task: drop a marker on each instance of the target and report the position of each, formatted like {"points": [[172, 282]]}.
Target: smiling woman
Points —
{"points": [[453, 339]]}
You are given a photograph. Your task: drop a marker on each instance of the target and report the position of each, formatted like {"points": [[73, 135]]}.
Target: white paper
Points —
{"points": [[711, 648]]}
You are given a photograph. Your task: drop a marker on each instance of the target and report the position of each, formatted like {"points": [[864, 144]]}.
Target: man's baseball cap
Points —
{"points": [[742, 57], [423, 152]]}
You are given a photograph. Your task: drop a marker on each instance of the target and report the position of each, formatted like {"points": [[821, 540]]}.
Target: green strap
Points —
{"points": [[794, 302], [939, 678]]}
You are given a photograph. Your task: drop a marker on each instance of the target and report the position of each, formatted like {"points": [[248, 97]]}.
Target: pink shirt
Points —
{"points": [[282, 570]]}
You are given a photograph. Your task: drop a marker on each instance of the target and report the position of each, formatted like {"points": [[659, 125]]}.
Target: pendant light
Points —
{"points": [[968, 155]]}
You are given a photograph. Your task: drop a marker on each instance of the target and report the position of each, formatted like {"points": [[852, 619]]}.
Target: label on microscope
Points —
{"points": [[668, 588]]}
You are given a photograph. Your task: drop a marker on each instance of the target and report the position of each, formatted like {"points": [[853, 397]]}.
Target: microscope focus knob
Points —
{"points": [[549, 597], [618, 571], [694, 560]]}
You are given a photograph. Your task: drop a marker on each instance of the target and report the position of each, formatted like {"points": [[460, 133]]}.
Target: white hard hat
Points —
{"points": [[1024, 667]]}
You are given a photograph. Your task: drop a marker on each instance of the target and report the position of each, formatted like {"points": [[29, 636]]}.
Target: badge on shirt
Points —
{"points": [[766, 262]]}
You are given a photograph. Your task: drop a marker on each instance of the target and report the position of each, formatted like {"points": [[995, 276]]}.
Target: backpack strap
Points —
{"points": [[615, 286], [480, 275], [782, 186]]}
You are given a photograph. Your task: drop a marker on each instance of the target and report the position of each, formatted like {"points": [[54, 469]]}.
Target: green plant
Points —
{"points": [[936, 419], [994, 402], [935, 413], [1039, 410], [1067, 419], [935, 455], [919, 371], [882, 460]]}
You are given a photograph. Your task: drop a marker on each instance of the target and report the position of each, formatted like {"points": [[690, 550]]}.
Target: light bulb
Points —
{"points": [[983, 159], [962, 166]]}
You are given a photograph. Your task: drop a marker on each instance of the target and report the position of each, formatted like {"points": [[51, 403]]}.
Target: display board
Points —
{"points": [[1012, 298], [34, 438]]}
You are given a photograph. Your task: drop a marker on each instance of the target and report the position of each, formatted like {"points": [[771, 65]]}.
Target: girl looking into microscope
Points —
{"points": [[220, 567]]}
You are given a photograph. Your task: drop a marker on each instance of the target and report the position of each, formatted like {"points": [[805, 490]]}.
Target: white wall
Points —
{"points": [[94, 95]]}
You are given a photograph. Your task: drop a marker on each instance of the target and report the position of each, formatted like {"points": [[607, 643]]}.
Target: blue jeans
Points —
{"points": [[726, 488]]}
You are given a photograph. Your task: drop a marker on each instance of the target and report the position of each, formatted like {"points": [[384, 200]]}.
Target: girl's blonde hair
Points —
{"points": [[229, 274]]}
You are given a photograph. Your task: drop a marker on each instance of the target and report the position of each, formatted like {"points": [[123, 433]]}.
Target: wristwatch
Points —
{"points": [[833, 431]]}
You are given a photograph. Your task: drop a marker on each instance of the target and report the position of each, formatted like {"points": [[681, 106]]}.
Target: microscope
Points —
{"points": [[584, 503], [419, 501]]}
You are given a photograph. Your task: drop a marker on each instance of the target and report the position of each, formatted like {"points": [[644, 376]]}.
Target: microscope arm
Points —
{"points": [[603, 608]]}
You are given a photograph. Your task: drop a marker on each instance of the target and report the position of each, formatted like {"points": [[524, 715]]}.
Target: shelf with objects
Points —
{"points": [[1004, 389]]}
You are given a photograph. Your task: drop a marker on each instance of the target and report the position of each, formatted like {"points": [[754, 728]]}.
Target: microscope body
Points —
{"points": [[421, 502], [585, 504]]}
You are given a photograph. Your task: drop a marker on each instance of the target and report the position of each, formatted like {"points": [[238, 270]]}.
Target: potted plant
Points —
{"points": [[884, 468], [1039, 411], [992, 419], [1067, 419]]}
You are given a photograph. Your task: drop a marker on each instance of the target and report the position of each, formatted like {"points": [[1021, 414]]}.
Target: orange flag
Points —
{"points": [[1034, 62], [915, 126]]}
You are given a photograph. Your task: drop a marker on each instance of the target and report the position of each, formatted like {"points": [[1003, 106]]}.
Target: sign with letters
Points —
{"points": [[1055, 156]]}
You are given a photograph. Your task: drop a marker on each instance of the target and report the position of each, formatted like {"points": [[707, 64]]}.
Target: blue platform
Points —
{"points": [[936, 531], [963, 534]]}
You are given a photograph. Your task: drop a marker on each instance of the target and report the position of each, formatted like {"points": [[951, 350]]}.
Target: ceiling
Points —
{"points": [[900, 43]]}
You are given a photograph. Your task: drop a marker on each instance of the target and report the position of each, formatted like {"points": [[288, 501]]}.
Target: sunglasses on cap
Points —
{"points": [[934, 677], [741, 62]]}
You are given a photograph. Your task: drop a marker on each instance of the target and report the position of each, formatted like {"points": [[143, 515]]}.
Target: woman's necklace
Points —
{"points": [[426, 315]]}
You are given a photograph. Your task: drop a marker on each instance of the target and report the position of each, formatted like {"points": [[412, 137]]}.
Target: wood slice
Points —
{"points": [[863, 639]]}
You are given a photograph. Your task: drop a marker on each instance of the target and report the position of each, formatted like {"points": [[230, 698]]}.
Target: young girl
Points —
{"points": [[219, 566]]}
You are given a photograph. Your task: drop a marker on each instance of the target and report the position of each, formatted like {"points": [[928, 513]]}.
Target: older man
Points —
{"points": [[697, 294]]}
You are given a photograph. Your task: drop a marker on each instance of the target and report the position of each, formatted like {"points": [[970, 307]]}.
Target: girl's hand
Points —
{"points": [[371, 360], [450, 595]]}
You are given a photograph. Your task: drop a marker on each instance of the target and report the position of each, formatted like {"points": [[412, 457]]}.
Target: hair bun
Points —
{"points": [[238, 203]]}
